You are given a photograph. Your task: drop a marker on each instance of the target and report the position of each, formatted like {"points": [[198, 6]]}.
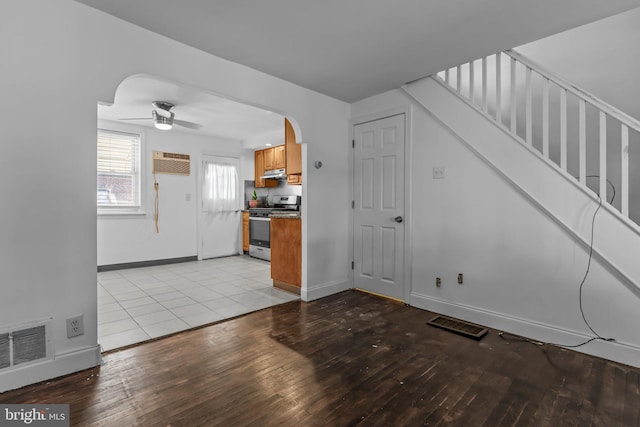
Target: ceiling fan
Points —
{"points": [[163, 117]]}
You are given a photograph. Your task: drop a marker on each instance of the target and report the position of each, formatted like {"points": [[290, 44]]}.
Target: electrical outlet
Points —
{"points": [[75, 326], [459, 278], [438, 282]]}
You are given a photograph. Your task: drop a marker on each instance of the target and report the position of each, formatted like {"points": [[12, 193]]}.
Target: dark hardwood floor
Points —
{"points": [[349, 359]]}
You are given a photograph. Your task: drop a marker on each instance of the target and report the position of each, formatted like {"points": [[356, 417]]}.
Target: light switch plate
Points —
{"points": [[438, 172]]}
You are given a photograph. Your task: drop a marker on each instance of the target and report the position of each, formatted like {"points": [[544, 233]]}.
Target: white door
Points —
{"points": [[220, 204], [379, 206]]}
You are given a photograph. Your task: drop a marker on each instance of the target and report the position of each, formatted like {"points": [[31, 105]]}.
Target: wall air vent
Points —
{"points": [[171, 163], [25, 344]]}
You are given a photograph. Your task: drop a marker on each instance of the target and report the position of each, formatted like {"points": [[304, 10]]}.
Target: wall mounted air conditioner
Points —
{"points": [[172, 163]]}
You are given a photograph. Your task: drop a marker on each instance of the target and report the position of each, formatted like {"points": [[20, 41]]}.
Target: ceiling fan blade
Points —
{"points": [[138, 118], [186, 124]]}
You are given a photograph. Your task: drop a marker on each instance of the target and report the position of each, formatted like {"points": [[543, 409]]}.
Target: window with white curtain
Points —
{"points": [[220, 190]]}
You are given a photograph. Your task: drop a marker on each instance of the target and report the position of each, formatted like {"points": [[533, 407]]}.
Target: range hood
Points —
{"points": [[274, 174]]}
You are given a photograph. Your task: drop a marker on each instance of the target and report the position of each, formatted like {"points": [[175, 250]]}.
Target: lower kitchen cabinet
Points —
{"points": [[286, 253], [245, 231]]}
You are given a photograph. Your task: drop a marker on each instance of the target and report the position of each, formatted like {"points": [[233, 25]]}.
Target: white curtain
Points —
{"points": [[220, 192]]}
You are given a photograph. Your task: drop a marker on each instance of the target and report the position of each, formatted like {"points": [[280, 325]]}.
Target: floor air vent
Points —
{"points": [[459, 327]]}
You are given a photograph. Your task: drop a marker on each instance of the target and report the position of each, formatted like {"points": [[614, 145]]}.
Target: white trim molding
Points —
{"points": [[616, 351], [324, 290], [61, 364]]}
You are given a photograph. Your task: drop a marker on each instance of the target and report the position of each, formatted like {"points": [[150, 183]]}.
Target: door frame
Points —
{"points": [[407, 110], [199, 215]]}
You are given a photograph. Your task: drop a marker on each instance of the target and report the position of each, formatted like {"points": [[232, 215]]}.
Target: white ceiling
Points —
{"points": [[348, 50], [218, 116], [354, 49]]}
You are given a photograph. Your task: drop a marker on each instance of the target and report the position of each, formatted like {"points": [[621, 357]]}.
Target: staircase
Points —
{"points": [[569, 162], [588, 139]]}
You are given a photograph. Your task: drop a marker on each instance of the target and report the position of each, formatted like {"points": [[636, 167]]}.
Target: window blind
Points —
{"points": [[118, 169]]}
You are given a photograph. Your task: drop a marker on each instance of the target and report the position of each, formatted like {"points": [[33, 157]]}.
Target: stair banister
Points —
{"points": [[466, 74], [580, 93]]}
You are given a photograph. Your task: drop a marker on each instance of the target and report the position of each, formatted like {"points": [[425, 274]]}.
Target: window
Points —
{"points": [[118, 170], [220, 188]]}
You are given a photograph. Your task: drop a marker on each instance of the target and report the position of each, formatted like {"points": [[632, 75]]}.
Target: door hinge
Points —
{"points": [[353, 204], [353, 143], [353, 265]]}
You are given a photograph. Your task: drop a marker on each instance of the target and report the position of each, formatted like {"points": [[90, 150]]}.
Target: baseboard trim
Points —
{"points": [[324, 290], [625, 353], [286, 287], [60, 365], [152, 263]]}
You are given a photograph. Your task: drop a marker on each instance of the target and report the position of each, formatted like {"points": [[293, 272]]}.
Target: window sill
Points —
{"points": [[120, 214]]}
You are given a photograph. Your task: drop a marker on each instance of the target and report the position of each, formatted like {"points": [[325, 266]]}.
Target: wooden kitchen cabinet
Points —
{"points": [[245, 231], [293, 151], [279, 157], [269, 160], [286, 253], [259, 169], [294, 179]]}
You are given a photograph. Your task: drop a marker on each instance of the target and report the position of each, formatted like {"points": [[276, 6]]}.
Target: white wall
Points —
{"points": [[522, 264], [60, 58], [248, 165], [126, 238], [600, 57]]}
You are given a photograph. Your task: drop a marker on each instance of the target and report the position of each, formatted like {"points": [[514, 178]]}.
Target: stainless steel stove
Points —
{"points": [[260, 224]]}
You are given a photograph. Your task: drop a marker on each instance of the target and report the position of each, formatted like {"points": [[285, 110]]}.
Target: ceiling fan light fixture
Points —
{"points": [[161, 122]]}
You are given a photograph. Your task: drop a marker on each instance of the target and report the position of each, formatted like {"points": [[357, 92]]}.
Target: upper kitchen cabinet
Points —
{"points": [[269, 163], [293, 150], [259, 171], [275, 158], [279, 157]]}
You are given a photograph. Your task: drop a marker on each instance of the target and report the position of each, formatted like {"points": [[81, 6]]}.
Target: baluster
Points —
{"points": [[471, 81], [459, 79], [603, 156], [624, 170], [582, 134], [498, 88], [513, 122], [545, 117], [528, 121], [447, 76], [563, 129], [485, 105]]}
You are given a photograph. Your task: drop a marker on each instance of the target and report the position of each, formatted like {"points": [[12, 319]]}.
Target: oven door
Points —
{"points": [[259, 233]]}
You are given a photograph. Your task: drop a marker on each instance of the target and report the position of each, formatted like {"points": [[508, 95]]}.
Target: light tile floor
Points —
{"points": [[135, 305]]}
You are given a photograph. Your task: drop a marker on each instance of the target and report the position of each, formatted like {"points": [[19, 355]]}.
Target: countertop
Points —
{"points": [[292, 215]]}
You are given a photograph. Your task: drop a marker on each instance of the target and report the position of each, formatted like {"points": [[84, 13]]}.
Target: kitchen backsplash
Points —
{"points": [[283, 189]]}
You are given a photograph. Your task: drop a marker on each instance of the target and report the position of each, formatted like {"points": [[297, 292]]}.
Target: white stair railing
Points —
{"points": [[583, 135]]}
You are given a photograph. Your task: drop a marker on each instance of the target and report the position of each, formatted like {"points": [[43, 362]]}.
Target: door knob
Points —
{"points": [[398, 219]]}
